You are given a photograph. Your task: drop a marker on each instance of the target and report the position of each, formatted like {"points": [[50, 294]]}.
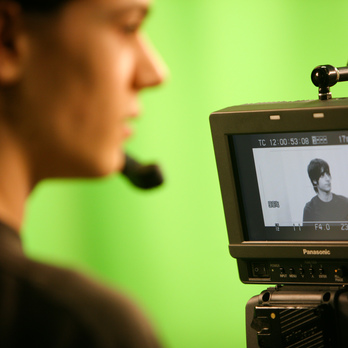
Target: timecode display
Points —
{"points": [[285, 141], [301, 139]]}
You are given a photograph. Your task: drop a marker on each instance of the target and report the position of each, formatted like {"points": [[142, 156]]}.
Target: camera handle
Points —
{"points": [[326, 76]]}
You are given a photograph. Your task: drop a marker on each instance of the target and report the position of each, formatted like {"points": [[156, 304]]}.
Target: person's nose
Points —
{"points": [[150, 69]]}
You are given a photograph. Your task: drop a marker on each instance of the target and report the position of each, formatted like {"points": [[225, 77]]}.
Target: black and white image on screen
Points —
{"points": [[325, 206], [284, 187]]}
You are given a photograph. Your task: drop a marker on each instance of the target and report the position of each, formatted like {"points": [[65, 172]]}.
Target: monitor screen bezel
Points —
{"points": [[285, 117]]}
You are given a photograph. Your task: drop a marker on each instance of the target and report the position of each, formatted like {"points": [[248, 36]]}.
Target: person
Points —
{"points": [[325, 206], [70, 74]]}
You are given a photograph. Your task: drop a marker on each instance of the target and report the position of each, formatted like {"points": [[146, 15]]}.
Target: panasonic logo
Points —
{"points": [[316, 252]]}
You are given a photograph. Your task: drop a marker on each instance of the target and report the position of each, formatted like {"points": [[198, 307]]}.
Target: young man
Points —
{"points": [[70, 73], [325, 206]]}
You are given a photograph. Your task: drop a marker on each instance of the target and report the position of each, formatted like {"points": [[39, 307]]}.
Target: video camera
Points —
{"points": [[283, 172]]}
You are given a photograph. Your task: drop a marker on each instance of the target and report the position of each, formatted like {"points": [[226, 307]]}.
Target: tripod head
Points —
{"points": [[326, 76]]}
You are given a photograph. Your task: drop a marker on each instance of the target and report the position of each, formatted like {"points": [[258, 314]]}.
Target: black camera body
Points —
{"points": [[280, 229], [298, 316]]}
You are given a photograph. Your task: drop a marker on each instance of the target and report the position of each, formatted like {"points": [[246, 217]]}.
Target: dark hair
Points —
{"points": [[41, 6], [316, 168]]}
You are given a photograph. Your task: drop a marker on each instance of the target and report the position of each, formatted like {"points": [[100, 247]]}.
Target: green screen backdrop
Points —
{"points": [[167, 247]]}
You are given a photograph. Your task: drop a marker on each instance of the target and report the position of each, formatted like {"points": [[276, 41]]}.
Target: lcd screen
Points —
{"points": [[292, 186]]}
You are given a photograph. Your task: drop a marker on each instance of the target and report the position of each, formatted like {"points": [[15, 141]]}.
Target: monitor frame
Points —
{"points": [[285, 117]]}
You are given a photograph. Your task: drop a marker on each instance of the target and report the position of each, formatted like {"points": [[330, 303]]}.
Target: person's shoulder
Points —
{"points": [[340, 198], [314, 200], [96, 311]]}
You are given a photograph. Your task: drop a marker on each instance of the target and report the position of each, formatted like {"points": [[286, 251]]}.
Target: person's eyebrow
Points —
{"points": [[140, 9]]}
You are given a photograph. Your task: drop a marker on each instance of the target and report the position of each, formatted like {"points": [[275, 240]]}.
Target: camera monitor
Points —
{"points": [[283, 171]]}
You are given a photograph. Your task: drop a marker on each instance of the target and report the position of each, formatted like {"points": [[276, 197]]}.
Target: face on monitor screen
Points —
{"points": [[292, 186]]}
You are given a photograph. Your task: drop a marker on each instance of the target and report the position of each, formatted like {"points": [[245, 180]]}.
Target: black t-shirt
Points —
{"points": [[317, 210], [46, 306]]}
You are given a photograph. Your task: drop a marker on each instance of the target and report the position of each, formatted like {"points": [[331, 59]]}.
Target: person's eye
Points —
{"points": [[128, 22], [130, 28]]}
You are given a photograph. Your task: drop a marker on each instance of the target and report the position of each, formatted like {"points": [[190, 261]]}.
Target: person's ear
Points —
{"points": [[11, 42]]}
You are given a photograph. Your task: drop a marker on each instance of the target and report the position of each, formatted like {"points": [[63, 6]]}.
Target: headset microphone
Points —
{"points": [[142, 176]]}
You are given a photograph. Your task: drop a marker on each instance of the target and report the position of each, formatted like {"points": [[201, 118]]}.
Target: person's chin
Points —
{"points": [[120, 162], [111, 166], [97, 170]]}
